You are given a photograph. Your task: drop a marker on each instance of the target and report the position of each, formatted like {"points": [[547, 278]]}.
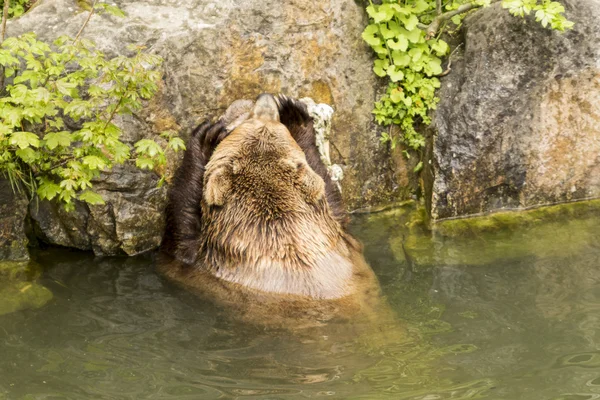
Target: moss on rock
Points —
{"points": [[19, 289], [560, 230], [22, 295], [499, 221]]}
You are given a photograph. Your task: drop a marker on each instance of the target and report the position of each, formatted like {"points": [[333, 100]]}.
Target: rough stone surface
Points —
{"points": [[13, 212], [216, 52], [518, 124], [131, 221]]}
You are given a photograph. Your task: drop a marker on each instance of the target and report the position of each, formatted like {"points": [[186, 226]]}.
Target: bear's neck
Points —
{"points": [[304, 255]]}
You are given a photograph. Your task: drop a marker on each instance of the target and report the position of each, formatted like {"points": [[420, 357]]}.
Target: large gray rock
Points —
{"points": [[131, 221], [216, 52], [518, 124]]}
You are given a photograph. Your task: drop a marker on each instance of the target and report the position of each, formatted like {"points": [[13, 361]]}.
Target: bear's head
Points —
{"points": [[259, 167]]}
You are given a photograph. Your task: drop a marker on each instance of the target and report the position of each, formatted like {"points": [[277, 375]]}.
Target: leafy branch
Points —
{"points": [[432, 29], [406, 37], [69, 82]]}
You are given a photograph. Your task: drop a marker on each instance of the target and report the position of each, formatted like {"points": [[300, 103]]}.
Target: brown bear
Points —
{"points": [[255, 222]]}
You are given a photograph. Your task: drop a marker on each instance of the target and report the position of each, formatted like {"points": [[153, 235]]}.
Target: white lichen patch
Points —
{"points": [[322, 115]]}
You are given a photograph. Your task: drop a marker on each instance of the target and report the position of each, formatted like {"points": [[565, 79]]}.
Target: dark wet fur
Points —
{"points": [[294, 115], [184, 211]]}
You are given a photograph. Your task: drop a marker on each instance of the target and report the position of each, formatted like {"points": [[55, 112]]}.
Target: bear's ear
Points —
{"points": [[265, 108], [217, 184]]}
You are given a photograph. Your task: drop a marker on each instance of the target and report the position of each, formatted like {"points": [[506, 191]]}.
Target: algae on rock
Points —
{"points": [[19, 289], [541, 232]]}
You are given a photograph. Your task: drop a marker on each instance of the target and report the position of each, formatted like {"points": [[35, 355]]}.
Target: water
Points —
{"points": [[509, 315]]}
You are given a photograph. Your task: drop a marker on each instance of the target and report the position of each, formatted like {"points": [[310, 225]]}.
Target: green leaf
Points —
{"points": [[95, 90], [380, 67], [24, 139], [385, 137], [400, 59], [55, 139], [18, 92], [410, 22], [28, 155], [397, 95], [420, 6], [401, 43], [91, 197], [382, 13], [371, 35], [148, 147], [440, 47], [395, 73], [47, 190], [78, 108], [434, 67], [61, 40], [418, 167], [380, 50], [68, 185], [177, 144], [144, 163], [120, 152], [414, 35], [66, 197], [42, 95], [93, 162], [390, 30], [66, 88], [415, 53], [113, 10]]}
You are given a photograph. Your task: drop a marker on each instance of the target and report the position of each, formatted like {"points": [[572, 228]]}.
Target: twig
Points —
{"points": [[448, 68], [4, 18], [434, 26], [438, 7], [86, 21], [62, 163], [112, 114], [75, 40], [432, 29]]}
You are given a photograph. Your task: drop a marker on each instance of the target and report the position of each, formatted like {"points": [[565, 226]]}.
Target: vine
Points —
{"points": [[406, 37]]}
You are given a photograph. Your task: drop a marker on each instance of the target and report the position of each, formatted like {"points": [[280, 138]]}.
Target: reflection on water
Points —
{"points": [[511, 315]]}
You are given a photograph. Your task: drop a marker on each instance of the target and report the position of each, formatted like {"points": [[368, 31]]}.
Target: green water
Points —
{"points": [[509, 315]]}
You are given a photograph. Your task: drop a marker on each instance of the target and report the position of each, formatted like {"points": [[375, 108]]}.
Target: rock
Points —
{"points": [[19, 289], [131, 222], [518, 124], [215, 53], [218, 52], [13, 212], [560, 231]]}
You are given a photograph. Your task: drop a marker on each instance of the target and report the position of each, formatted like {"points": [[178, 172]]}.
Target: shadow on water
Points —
{"points": [[511, 314]]}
